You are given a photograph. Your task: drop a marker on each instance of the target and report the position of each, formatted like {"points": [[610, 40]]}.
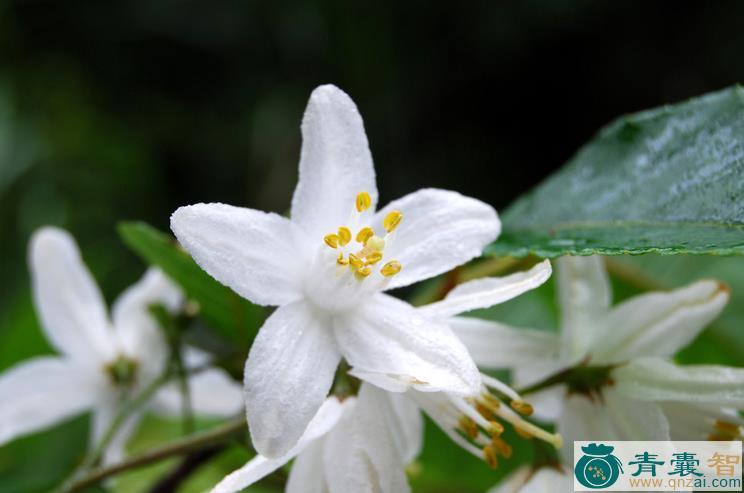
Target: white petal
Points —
{"points": [[659, 380], [69, 304], [360, 454], [388, 338], [325, 419], [489, 291], [544, 480], [335, 163], [406, 425], [137, 329], [617, 418], [659, 324], [257, 254], [439, 231], [212, 392], [495, 345], [584, 295], [39, 393], [288, 374], [306, 475], [691, 422]]}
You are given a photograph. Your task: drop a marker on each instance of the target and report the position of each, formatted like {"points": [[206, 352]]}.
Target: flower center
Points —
{"points": [[122, 371], [362, 250]]}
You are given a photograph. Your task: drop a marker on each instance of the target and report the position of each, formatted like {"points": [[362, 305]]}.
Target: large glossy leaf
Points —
{"points": [[668, 180], [232, 316]]}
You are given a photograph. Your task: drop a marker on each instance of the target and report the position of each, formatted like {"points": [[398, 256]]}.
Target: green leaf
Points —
{"points": [[668, 180], [233, 317]]}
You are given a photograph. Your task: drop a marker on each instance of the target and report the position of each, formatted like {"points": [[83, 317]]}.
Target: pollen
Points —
{"points": [[344, 235], [363, 201], [332, 240], [364, 234], [363, 272], [523, 408], [391, 268], [355, 262], [374, 257], [489, 455], [392, 220]]}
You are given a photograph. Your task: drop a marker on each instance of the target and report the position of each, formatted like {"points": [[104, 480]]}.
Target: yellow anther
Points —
{"points": [[363, 272], [341, 260], [489, 455], [392, 220], [496, 428], [374, 257], [727, 427], [363, 201], [391, 268], [344, 235], [364, 234], [523, 408], [484, 411], [468, 426], [502, 448], [331, 240], [374, 242], [355, 261], [490, 401]]}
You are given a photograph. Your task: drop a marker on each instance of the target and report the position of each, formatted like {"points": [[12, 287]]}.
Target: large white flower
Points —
{"points": [[102, 360], [326, 269], [360, 444], [624, 384]]}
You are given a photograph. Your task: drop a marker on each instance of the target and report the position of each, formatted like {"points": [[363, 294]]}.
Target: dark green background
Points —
{"points": [[124, 110]]}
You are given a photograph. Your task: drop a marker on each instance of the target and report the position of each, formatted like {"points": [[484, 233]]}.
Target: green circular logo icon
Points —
{"points": [[598, 468]]}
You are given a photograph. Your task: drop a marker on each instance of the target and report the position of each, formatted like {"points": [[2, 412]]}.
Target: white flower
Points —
{"points": [[543, 480], [626, 384], [359, 445], [102, 360], [326, 268]]}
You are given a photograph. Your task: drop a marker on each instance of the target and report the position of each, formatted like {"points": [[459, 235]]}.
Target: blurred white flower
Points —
{"points": [[626, 384], [326, 269], [102, 360], [359, 445]]}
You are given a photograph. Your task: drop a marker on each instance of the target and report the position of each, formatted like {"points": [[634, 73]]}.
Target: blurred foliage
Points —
{"points": [[127, 110]]}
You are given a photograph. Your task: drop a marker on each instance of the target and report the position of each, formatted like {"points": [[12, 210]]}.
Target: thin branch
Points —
{"points": [[174, 479], [176, 448]]}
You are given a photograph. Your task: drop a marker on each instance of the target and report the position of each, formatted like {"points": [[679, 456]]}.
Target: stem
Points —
{"points": [[171, 482], [183, 446], [128, 408]]}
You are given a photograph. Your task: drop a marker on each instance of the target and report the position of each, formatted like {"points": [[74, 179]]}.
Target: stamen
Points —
{"points": [[356, 262], [331, 240], [374, 257], [363, 201], [489, 455], [391, 268], [363, 272], [468, 426], [364, 234], [392, 220], [344, 235], [523, 408], [341, 260], [503, 448]]}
